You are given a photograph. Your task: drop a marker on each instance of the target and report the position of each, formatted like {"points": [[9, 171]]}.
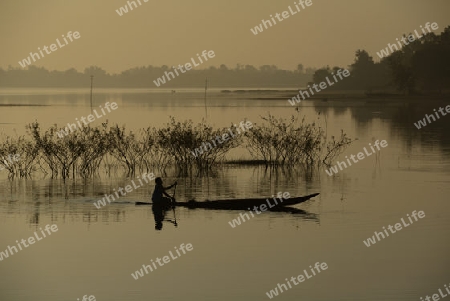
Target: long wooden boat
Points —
{"points": [[242, 204]]}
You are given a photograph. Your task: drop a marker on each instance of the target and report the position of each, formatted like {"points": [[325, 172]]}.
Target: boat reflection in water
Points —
{"points": [[159, 213]]}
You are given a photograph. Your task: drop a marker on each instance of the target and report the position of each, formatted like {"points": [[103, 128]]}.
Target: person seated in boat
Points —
{"points": [[159, 192]]}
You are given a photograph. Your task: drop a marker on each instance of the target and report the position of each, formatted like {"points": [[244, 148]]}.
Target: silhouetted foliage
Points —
{"points": [[89, 149], [291, 142], [143, 77], [421, 66]]}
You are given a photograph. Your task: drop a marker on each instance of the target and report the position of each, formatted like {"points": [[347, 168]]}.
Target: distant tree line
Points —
{"points": [[143, 77], [422, 66]]}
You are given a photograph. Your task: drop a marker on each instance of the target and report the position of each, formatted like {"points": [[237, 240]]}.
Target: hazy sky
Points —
{"points": [[171, 32]]}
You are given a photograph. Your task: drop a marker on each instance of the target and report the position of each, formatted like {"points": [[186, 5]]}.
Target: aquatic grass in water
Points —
{"points": [[276, 142], [293, 142]]}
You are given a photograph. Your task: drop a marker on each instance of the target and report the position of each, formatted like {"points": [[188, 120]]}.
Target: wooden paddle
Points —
{"points": [[173, 196], [173, 205]]}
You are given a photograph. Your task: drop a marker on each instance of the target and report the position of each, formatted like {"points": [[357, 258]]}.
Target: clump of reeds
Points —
{"points": [[90, 149], [180, 139], [27, 153], [293, 141], [81, 152]]}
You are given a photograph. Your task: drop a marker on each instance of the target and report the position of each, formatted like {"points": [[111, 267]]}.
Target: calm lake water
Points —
{"points": [[95, 250]]}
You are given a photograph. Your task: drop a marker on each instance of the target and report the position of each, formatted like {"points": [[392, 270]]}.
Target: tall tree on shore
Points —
{"points": [[321, 74], [363, 69]]}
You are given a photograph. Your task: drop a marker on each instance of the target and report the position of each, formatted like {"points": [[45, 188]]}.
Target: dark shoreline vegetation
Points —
{"points": [[275, 142], [421, 67]]}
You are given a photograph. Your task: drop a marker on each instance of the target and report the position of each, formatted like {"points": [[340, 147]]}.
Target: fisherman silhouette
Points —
{"points": [[159, 191], [161, 203]]}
